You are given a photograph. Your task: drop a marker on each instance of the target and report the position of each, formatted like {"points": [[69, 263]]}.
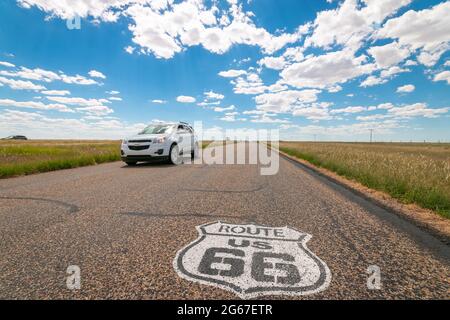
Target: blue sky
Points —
{"points": [[315, 69]]}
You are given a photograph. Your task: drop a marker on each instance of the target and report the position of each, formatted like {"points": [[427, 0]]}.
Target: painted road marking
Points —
{"points": [[253, 260]]}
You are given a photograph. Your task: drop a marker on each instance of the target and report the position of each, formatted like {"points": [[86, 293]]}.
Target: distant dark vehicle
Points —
{"points": [[15, 138]]}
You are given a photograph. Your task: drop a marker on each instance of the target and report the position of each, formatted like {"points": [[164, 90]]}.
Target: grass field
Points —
{"points": [[205, 143], [411, 172], [26, 157]]}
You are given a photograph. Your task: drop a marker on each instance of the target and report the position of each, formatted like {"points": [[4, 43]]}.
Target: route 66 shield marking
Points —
{"points": [[253, 260]]}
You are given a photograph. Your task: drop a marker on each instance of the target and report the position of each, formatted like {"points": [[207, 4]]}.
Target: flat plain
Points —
{"points": [[410, 172], [33, 156]]}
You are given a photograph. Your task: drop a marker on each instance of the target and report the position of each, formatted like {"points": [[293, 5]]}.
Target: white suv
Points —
{"points": [[160, 141]]}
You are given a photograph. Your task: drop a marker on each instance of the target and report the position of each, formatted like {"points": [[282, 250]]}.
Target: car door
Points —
{"points": [[190, 138], [183, 140]]}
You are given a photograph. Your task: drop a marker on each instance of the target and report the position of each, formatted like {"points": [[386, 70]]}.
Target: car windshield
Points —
{"points": [[155, 129]]}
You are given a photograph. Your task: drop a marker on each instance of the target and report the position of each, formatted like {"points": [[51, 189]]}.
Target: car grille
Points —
{"points": [[139, 141], [131, 156], [137, 148]]}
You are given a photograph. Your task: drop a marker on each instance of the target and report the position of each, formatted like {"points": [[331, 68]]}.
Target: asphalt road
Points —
{"points": [[123, 227]]}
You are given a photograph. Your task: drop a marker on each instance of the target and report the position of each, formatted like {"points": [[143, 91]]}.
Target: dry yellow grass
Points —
{"points": [[412, 173], [32, 156]]}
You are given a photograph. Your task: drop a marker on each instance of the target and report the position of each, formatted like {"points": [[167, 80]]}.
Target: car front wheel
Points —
{"points": [[174, 155], [131, 163], [194, 152]]}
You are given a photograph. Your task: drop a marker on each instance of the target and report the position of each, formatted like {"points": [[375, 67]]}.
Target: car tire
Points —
{"points": [[174, 155], [131, 163], [194, 152]]}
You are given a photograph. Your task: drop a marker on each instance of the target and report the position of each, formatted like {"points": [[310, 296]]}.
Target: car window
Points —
{"points": [[188, 129], [155, 129]]}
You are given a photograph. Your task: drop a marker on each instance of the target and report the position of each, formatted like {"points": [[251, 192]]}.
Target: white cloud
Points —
{"points": [[442, 76], [75, 101], [268, 118], [231, 117], [392, 71], [232, 73], [277, 87], [159, 101], [56, 92], [96, 74], [349, 131], [97, 110], [257, 112], [207, 103], [242, 61], [389, 54], [276, 63], [285, 101], [167, 32], [251, 84], [185, 99], [294, 54], [372, 81], [36, 74], [427, 30], [385, 75], [129, 49], [429, 58], [326, 70], [39, 74], [416, 110], [66, 9], [371, 117], [351, 23], [20, 84], [334, 89], [165, 28], [214, 96], [410, 63], [406, 88], [7, 64], [34, 105], [220, 109], [385, 106], [113, 92], [314, 112], [115, 98], [77, 79], [349, 110], [39, 126]]}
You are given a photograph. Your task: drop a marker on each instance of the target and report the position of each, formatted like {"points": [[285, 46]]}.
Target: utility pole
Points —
{"points": [[371, 135]]}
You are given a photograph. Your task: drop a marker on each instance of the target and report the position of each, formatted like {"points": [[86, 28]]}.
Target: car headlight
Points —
{"points": [[160, 140], [124, 142]]}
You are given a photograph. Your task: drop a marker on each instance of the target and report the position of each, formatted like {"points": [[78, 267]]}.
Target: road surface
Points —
{"points": [[123, 227]]}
